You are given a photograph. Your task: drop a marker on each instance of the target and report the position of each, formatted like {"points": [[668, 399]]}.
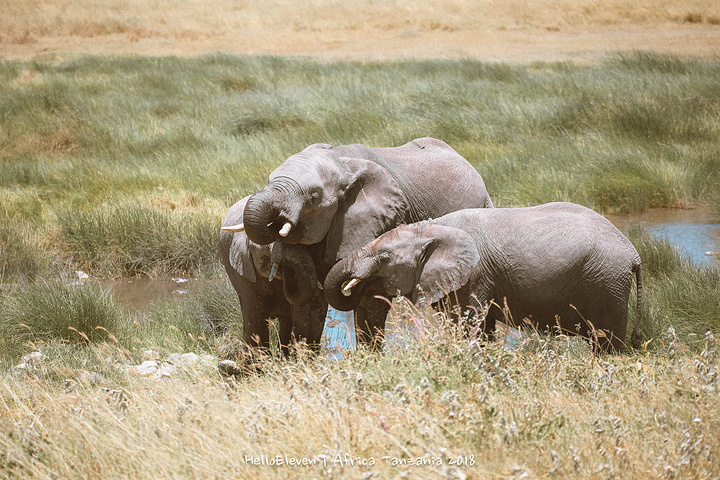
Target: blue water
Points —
{"points": [[694, 240], [695, 233]]}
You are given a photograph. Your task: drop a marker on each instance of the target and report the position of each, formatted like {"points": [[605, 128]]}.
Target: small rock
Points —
{"points": [[150, 354], [166, 370], [145, 369], [34, 357], [81, 275], [189, 358], [711, 254], [229, 367]]}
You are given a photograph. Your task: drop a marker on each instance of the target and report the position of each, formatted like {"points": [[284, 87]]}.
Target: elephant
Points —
{"points": [[557, 262], [295, 298], [340, 198]]}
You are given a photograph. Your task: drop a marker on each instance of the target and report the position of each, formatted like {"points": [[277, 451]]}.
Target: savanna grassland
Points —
{"points": [[123, 141]]}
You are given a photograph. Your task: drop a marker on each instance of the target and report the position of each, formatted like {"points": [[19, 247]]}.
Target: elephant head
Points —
{"points": [[322, 193], [422, 261]]}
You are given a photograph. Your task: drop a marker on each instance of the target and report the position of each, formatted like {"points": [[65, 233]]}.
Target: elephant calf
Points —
{"points": [[558, 262], [255, 270]]}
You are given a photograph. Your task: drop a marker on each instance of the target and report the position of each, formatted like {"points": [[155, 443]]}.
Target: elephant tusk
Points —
{"points": [[273, 271], [347, 286], [320, 285], [285, 230], [233, 228]]}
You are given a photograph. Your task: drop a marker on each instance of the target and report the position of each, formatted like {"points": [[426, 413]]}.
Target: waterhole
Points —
{"points": [[695, 232]]}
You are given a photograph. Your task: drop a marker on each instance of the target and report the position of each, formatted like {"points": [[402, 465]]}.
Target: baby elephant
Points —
{"points": [[558, 263]]}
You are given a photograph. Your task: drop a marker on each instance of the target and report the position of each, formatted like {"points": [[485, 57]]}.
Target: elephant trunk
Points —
{"points": [[299, 274], [260, 216], [343, 291]]}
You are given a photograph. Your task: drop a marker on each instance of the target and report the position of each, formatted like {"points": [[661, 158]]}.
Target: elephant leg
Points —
{"points": [[308, 323], [370, 317], [608, 337], [494, 315], [285, 323], [255, 313], [464, 311], [487, 325]]}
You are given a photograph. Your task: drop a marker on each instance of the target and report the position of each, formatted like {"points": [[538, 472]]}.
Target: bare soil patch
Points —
{"points": [[581, 31]]}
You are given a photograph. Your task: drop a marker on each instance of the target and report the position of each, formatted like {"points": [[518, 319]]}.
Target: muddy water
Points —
{"points": [[694, 232], [138, 294]]}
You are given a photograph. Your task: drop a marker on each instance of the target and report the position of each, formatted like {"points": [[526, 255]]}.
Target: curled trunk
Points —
{"points": [[261, 211], [336, 279]]}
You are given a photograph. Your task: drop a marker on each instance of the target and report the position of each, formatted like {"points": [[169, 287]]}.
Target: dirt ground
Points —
{"points": [[527, 45], [581, 31]]}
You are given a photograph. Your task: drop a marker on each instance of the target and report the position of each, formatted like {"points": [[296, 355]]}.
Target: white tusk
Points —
{"points": [[273, 271], [233, 228], [347, 286], [285, 229], [320, 285]]}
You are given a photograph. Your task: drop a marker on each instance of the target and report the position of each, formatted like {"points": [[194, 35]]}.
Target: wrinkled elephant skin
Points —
{"points": [[555, 262], [248, 266], [344, 197]]}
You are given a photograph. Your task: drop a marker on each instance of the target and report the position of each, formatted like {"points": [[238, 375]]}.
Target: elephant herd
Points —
{"points": [[348, 225]]}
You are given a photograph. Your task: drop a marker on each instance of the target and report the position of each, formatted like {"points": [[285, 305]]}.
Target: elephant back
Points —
{"points": [[435, 178]]}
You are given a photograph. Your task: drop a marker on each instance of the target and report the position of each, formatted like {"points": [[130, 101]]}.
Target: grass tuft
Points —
{"points": [[131, 240], [37, 313]]}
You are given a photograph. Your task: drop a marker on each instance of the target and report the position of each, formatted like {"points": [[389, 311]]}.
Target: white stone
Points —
{"points": [[166, 370], [145, 369], [34, 357]]}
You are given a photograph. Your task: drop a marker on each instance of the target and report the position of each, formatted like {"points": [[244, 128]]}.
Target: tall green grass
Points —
{"points": [[678, 293], [34, 314], [140, 135], [130, 240], [82, 314]]}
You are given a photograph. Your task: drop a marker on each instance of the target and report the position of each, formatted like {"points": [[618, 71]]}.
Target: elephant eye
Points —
{"points": [[316, 196], [383, 256]]}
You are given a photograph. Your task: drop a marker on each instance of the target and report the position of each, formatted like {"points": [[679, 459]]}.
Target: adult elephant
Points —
{"points": [[558, 262], [340, 198], [289, 291]]}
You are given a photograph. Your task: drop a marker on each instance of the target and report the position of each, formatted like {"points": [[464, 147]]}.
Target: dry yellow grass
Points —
{"points": [[505, 30], [551, 410]]}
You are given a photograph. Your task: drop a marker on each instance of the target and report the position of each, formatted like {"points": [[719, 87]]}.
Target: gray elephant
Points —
{"points": [[272, 281], [555, 262], [340, 198]]}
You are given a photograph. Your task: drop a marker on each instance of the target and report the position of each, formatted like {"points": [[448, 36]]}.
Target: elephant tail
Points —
{"points": [[637, 334]]}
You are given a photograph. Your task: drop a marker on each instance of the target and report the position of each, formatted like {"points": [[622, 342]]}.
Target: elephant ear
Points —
{"points": [[449, 261], [373, 203], [240, 257]]}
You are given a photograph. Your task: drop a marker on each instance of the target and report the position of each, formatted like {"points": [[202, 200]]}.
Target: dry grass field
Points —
{"points": [[515, 30]]}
